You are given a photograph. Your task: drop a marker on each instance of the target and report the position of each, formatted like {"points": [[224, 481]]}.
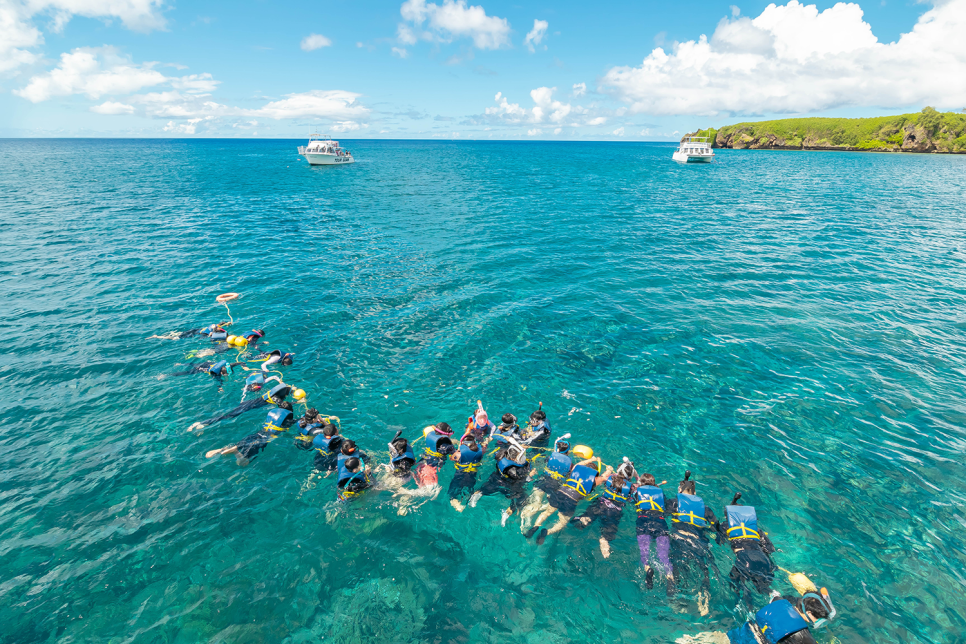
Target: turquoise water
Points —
{"points": [[788, 325]]}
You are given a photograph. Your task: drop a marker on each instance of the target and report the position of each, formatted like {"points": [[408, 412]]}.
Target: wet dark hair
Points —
{"points": [[444, 427], [815, 607], [471, 443], [285, 405], [352, 464], [330, 430], [400, 444], [516, 472], [311, 412], [287, 360], [262, 331], [562, 446], [509, 419], [538, 415], [648, 479], [686, 487], [348, 447]]}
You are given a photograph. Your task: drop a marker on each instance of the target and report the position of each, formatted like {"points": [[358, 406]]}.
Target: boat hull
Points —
{"points": [[327, 159], [692, 158]]}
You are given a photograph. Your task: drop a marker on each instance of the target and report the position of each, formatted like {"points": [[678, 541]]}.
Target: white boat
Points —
{"points": [[325, 151], [693, 149]]}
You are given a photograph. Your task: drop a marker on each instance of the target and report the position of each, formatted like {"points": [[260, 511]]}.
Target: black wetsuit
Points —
{"points": [[512, 487], [201, 367], [752, 561], [248, 405], [691, 546], [538, 435]]}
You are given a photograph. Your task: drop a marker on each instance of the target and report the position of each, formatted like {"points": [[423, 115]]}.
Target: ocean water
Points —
{"points": [[787, 325]]}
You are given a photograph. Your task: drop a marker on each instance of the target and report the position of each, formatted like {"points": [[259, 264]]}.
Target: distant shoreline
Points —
{"points": [[926, 132]]}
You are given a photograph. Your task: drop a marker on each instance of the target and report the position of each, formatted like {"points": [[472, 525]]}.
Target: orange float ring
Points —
{"points": [[226, 297]]}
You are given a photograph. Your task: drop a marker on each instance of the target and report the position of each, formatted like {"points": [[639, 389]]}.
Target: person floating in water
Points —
{"points": [[501, 434], [354, 478], [556, 471], [328, 446], [274, 396], [216, 332], [608, 507], [786, 620], [751, 546], [273, 357], [401, 457], [467, 461], [277, 421], [509, 479], [537, 431], [349, 452], [439, 447], [692, 521], [652, 526], [479, 425], [309, 426], [584, 477], [214, 369]]}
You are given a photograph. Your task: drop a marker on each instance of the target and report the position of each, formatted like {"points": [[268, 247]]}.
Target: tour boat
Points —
{"points": [[325, 151], [693, 149]]}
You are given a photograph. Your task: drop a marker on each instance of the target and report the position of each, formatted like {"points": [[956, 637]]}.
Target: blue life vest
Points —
{"points": [[582, 479], [505, 463], [216, 368], [345, 494], [649, 498], [690, 510], [743, 635], [501, 432], [327, 445], [278, 390], [559, 465], [407, 454], [208, 329], [742, 522], [219, 335], [432, 444], [778, 620], [255, 379], [253, 335], [344, 473], [307, 430], [277, 420], [618, 496], [469, 460]]}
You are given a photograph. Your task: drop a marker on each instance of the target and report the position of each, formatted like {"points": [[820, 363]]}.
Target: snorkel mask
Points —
{"points": [[517, 455], [626, 469], [562, 441], [827, 602]]}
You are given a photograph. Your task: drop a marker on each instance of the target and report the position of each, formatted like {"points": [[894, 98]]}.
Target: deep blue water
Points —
{"points": [[787, 325]]}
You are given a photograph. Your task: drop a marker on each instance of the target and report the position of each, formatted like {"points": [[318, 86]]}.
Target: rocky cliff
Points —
{"points": [[926, 131]]}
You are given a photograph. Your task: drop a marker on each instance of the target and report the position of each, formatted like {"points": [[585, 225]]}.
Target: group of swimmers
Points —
{"points": [[564, 475]]}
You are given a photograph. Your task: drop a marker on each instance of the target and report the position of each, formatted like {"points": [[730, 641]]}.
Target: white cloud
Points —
{"points": [[558, 130], [545, 108], [337, 105], [618, 132], [400, 51], [449, 21], [19, 34], [111, 107], [600, 120], [795, 59], [182, 128], [534, 132], [81, 72], [348, 126], [315, 41], [535, 35], [580, 89], [195, 83]]}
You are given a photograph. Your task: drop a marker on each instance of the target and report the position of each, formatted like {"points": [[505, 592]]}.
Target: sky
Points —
{"points": [[424, 69]]}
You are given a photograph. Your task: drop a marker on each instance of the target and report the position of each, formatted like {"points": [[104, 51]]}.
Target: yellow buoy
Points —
{"points": [[231, 339], [801, 583], [240, 341], [583, 452], [427, 429], [299, 394]]}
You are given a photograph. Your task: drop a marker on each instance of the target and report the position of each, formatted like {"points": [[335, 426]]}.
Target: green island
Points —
{"points": [[925, 131]]}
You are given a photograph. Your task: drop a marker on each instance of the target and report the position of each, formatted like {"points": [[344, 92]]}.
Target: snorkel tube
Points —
{"points": [[561, 439]]}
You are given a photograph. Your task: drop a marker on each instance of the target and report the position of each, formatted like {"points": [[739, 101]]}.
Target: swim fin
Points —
{"points": [[529, 533], [542, 537]]}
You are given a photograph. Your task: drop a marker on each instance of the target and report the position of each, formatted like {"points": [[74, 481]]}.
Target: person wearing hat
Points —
{"points": [[608, 507], [584, 477]]}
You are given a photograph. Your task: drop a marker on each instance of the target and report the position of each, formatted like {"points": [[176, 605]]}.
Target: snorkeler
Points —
{"points": [[608, 507], [214, 369], [216, 332], [348, 450], [786, 620], [355, 479], [751, 546], [509, 479], [439, 446], [479, 426], [652, 526], [276, 356], [467, 460], [692, 520], [274, 396], [556, 471], [507, 428], [328, 446], [253, 337], [563, 501], [537, 431], [277, 421], [309, 426], [401, 457]]}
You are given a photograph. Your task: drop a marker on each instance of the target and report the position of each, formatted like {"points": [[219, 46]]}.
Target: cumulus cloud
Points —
{"points": [[535, 35], [337, 105], [534, 132], [315, 41], [793, 59], [81, 72], [400, 51], [600, 120], [618, 132], [580, 89], [19, 35], [545, 108], [450, 21], [112, 107]]}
